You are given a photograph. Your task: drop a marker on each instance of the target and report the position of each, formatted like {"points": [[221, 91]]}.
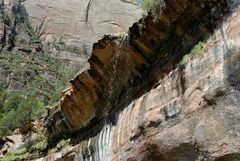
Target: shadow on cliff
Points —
{"points": [[188, 29], [196, 23]]}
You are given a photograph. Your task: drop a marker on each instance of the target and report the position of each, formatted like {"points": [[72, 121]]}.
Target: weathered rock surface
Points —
{"points": [[133, 104], [82, 22], [120, 65]]}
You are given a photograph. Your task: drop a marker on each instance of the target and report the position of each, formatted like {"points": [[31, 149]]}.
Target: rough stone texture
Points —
{"points": [[80, 22], [134, 104], [108, 74], [120, 65], [144, 109], [199, 121], [192, 114], [14, 142], [188, 113]]}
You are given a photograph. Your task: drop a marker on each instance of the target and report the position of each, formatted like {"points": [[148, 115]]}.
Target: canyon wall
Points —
{"points": [[80, 22], [137, 103]]}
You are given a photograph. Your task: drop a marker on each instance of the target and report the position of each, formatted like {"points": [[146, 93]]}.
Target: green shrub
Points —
{"points": [[17, 107], [55, 97], [19, 154], [14, 99], [3, 97], [40, 143], [147, 5], [62, 143], [195, 50], [61, 46], [27, 110], [45, 75], [30, 109], [153, 5]]}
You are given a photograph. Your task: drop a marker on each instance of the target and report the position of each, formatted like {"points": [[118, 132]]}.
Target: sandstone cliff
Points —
{"points": [[136, 103], [167, 90], [32, 73], [80, 22]]}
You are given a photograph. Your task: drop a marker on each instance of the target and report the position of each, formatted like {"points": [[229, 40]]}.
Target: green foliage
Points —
{"points": [[153, 5], [19, 154], [47, 78], [71, 48], [7, 20], [12, 102], [147, 5], [62, 143], [195, 50], [44, 75], [19, 111], [62, 76], [3, 97], [40, 143]]}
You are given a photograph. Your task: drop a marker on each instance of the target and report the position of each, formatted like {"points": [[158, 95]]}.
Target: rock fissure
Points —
{"points": [[90, 2]]}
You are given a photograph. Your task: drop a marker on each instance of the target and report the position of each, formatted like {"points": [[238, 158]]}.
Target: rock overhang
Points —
{"points": [[114, 64]]}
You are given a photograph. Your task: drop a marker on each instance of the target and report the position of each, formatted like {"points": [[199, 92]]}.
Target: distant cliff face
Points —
{"points": [[80, 22]]}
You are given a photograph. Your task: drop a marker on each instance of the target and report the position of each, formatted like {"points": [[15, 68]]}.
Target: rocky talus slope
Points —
{"points": [[80, 22], [136, 102]]}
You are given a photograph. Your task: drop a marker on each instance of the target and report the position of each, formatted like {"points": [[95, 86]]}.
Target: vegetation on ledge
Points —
{"points": [[195, 51]]}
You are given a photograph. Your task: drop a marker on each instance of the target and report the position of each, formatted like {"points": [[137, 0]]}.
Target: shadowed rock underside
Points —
{"points": [[135, 103]]}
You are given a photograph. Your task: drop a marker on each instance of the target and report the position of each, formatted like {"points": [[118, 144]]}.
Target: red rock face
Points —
{"points": [[136, 105]]}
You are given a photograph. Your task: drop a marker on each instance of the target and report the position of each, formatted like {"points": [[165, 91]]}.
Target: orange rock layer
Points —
{"points": [[118, 62]]}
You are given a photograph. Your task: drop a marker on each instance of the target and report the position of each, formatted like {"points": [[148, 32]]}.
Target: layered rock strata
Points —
{"points": [[134, 104], [82, 22], [120, 65]]}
